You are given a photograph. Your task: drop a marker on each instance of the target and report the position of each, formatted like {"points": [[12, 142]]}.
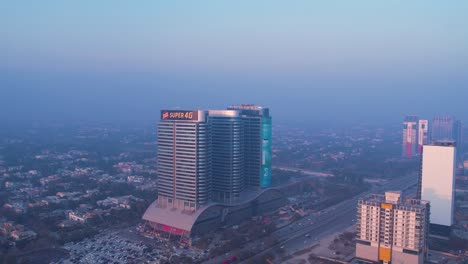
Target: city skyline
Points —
{"points": [[105, 176], [228, 132]]}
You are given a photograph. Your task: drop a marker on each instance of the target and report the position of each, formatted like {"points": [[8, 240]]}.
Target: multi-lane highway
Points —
{"points": [[308, 230]]}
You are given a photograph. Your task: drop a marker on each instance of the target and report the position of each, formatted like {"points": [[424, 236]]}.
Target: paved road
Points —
{"points": [[306, 172], [321, 224], [331, 220]]}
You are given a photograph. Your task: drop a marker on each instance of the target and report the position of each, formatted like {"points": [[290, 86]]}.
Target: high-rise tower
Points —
{"points": [[227, 155], [423, 139], [437, 182], [458, 134], [409, 147], [443, 128], [184, 159], [256, 142]]}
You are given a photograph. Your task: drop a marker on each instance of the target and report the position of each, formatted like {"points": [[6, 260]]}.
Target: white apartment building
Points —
{"points": [[391, 229], [438, 181]]}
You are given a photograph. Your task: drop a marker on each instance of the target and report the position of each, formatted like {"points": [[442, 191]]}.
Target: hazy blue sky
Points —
{"points": [[343, 60]]}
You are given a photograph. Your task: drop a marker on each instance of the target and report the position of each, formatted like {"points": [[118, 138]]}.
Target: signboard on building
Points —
{"points": [[179, 115], [173, 230]]}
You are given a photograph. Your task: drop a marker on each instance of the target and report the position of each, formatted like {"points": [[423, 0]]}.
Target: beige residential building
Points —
{"points": [[391, 229]]}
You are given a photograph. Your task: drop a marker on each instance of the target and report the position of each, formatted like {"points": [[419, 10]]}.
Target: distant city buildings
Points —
{"points": [[15, 232], [437, 182], [391, 229], [416, 133]]}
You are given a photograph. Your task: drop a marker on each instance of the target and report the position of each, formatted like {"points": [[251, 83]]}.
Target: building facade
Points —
{"points": [[423, 135], [227, 155], [391, 229], [447, 128], [410, 134], [256, 139], [458, 136], [184, 159], [443, 128], [437, 181]]}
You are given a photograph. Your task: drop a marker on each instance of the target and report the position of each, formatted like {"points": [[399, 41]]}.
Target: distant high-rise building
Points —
{"points": [[443, 128], [410, 144], [390, 229], [256, 140], [437, 182], [423, 128], [447, 128], [458, 134], [184, 159]]}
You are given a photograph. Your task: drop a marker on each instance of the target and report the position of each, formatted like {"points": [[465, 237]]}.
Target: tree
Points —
{"points": [[10, 259]]}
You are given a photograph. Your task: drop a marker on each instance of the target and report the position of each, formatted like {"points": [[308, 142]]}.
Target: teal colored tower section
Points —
{"points": [[265, 179]]}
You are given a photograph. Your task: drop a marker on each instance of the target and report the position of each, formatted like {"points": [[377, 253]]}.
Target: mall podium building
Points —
{"points": [[214, 168]]}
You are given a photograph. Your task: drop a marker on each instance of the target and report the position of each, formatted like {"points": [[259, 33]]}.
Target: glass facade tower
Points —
{"points": [[227, 159], [256, 122], [184, 159]]}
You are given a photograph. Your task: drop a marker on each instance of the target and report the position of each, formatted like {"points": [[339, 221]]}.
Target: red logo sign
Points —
{"points": [[165, 115]]}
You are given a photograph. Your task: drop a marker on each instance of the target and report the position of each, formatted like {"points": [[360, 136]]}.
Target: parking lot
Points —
{"points": [[125, 246]]}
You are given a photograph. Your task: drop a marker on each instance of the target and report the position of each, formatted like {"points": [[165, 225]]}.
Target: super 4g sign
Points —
{"points": [[179, 115]]}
